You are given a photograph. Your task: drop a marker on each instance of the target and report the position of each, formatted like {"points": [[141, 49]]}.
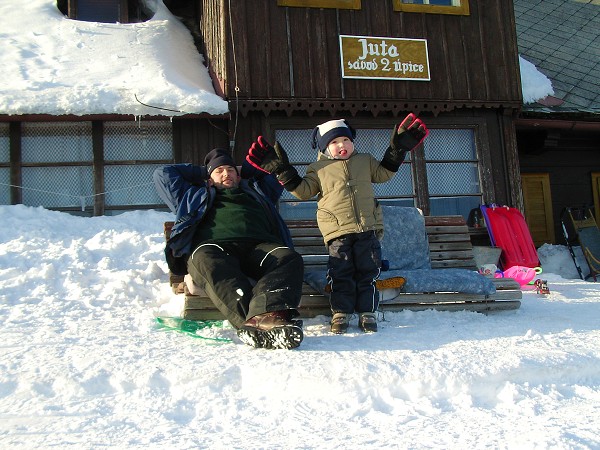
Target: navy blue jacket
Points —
{"points": [[183, 188]]}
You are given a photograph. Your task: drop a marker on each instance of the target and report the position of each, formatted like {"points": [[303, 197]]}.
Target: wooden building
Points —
{"points": [[279, 64], [285, 66]]}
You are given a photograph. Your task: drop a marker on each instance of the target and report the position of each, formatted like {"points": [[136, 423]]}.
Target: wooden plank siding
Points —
{"points": [[274, 63], [569, 162], [284, 54]]}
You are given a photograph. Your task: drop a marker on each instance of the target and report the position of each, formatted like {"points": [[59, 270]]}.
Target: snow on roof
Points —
{"points": [[561, 38], [534, 84], [50, 64]]}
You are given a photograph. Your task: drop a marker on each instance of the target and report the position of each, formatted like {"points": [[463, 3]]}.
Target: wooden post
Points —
{"points": [[16, 177], [98, 166]]}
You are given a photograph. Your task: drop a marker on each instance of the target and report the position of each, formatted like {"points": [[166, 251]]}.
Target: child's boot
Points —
{"points": [[339, 323], [367, 322]]}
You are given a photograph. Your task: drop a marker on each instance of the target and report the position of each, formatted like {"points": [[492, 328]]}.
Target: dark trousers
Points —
{"points": [[222, 270], [354, 266]]}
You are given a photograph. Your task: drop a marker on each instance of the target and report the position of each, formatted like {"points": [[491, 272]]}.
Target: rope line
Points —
{"points": [[80, 197]]}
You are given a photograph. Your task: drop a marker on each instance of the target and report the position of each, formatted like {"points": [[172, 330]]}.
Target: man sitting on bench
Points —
{"points": [[228, 230]]}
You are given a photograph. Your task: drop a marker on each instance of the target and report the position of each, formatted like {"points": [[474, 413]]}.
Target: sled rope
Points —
{"points": [[189, 327]]}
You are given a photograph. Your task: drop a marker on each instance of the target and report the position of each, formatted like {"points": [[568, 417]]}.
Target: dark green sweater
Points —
{"points": [[235, 216]]}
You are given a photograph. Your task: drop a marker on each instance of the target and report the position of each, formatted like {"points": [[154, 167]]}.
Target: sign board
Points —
{"points": [[384, 58]]}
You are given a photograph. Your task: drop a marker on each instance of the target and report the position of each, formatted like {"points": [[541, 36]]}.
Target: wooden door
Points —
{"points": [[538, 207]]}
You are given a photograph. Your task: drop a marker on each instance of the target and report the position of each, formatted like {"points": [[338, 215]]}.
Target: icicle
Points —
{"points": [[82, 201]]}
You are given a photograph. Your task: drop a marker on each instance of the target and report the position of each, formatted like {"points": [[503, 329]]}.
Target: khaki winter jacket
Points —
{"points": [[346, 200]]}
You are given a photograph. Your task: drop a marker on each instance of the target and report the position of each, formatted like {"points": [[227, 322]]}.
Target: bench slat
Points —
{"points": [[314, 311]]}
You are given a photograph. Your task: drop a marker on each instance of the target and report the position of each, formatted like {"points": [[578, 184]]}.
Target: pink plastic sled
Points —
{"points": [[508, 230]]}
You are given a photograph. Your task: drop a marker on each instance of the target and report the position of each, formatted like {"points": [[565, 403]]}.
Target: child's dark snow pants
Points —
{"points": [[354, 266]]}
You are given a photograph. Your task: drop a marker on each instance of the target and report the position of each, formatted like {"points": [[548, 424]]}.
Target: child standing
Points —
{"points": [[349, 217]]}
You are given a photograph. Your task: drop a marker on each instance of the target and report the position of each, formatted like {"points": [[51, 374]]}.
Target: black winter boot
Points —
{"points": [[272, 330]]}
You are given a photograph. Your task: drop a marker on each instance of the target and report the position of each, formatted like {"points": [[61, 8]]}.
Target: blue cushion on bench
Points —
{"points": [[406, 247], [422, 281], [405, 244], [443, 280]]}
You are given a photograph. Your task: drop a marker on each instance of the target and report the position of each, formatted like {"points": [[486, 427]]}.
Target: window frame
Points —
{"points": [[482, 151], [462, 9]]}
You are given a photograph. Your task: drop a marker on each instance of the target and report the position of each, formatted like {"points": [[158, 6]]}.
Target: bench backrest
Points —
{"points": [[449, 242]]}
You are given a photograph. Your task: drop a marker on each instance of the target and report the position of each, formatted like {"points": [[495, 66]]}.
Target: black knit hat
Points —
{"points": [[326, 132], [218, 157]]}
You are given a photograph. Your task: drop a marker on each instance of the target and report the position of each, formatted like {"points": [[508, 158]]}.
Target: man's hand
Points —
{"points": [[256, 155], [267, 158], [406, 136]]}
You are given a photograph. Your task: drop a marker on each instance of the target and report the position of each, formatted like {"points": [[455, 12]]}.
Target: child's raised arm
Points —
{"points": [[405, 137]]}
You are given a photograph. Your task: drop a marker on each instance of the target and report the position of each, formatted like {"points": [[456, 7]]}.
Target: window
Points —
{"points": [[460, 7], [398, 191], [448, 162], [131, 153], [57, 164], [107, 11], [452, 170], [85, 167], [339, 4]]}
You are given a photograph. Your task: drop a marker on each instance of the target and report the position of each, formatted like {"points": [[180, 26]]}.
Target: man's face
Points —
{"points": [[224, 177]]}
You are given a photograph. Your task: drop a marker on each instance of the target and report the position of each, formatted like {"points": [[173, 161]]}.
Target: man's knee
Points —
{"points": [[285, 255]]}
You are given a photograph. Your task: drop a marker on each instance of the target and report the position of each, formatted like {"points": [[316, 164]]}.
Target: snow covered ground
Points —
{"points": [[84, 364]]}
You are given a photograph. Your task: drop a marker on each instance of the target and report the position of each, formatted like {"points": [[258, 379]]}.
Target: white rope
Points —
{"points": [[81, 198]]}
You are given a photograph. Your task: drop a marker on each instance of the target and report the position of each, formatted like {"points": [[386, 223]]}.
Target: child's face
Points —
{"points": [[341, 147]]}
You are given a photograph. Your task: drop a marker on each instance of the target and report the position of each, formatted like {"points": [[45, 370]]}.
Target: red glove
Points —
{"points": [[269, 159], [405, 137], [257, 153]]}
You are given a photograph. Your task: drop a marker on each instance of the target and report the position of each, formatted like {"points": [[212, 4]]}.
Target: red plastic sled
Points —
{"points": [[509, 231]]}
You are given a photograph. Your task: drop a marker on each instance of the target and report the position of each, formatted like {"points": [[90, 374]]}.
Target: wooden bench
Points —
{"points": [[449, 247]]}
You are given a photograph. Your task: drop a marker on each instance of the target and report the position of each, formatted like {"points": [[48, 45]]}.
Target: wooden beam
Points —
{"points": [[98, 166], [16, 176]]}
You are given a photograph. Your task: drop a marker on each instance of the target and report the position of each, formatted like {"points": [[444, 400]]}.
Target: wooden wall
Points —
{"points": [[194, 138], [281, 54], [274, 63], [569, 158]]}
